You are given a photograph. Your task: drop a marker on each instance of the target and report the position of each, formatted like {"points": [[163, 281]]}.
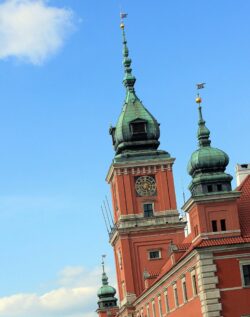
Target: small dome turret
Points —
{"points": [[207, 165], [106, 293]]}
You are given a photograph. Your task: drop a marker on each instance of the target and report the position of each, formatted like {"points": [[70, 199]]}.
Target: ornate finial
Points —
{"points": [[203, 132], [103, 263], [104, 275], [129, 79]]}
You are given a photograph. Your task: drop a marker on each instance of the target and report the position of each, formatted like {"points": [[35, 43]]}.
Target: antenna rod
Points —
{"points": [[105, 220], [107, 214], [109, 209]]}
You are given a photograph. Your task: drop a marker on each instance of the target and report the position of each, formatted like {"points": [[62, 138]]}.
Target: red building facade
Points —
{"points": [[160, 270]]}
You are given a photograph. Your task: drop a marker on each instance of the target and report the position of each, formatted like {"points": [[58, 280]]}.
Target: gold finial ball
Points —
{"points": [[122, 26], [198, 100]]}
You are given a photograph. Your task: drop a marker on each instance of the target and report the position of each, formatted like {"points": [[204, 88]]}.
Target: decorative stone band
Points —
{"points": [[207, 280], [139, 168], [142, 170]]}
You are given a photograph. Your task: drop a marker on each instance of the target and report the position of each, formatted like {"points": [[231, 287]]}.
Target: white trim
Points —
{"points": [[230, 289], [206, 234], [215, 197]]}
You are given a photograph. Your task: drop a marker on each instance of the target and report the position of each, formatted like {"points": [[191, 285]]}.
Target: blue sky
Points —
{"points": [[61, 87]]}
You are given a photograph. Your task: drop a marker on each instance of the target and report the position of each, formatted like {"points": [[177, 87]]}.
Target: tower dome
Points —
{"points": [[136, 128], [106, 293], [207, 165]]}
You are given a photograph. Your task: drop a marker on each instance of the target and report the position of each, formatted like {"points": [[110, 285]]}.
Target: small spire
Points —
{"points": [[129, 80], [203, 132], [104, 275]]}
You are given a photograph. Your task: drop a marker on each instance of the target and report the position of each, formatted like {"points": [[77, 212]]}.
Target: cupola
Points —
{"points": [[106, 293], [136, 128], [207, 165]]}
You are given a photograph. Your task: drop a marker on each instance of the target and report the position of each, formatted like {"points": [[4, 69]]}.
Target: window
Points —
{"points": [[154, 254], [194, 284], [209, 188], [160, 306], [148, 210], [223, 225], [214, 226], [176, 299], [219, 187], [138, 127], [167, 303], [184, 289], [153, 309], [245, 270]]}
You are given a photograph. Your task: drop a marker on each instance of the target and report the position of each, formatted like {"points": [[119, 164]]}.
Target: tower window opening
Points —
{"points": [[148, 210], [154, 255], [214, 226], [138, 127], [223, 225], [244, 165], [219, 187], [246, 274], [209, 188]]}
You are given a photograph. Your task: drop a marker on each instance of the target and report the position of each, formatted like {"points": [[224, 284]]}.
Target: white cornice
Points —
{"points": [[138, 164], [218, 197]]}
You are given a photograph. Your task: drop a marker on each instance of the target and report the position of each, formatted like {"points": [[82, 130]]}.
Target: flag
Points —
{"points": [[200, 86], [123, 15]]}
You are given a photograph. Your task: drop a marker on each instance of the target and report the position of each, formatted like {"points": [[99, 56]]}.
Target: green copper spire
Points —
{"points": [[203, 132], [137, 131], [129, 80], [106, 293], [207, 164]]}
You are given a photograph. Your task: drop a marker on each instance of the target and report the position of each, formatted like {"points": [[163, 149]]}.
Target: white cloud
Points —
{"points": [[32, 30], [76, 297]]}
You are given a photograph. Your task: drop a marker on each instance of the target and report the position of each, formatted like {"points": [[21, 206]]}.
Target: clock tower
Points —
{"points": [[143, 195]]}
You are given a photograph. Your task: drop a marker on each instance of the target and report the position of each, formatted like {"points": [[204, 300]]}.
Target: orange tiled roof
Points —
{"points": [[244, 206], [223, 241]]}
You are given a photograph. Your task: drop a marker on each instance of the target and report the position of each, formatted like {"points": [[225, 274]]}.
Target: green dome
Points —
{"points": [[207, 165], [136, 127], [209, 159], [106, 291]]}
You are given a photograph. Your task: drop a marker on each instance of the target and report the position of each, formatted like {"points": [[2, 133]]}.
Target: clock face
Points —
{"points": [[145, 186]]}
